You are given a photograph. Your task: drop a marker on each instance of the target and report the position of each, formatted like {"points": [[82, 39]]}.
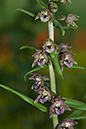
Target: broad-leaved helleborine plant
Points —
{"points": [[55, 56]]}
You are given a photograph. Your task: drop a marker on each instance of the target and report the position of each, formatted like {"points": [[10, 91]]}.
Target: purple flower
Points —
{"points": [[67, 124], [63, 48], [70, 20], [39, 81], [45, 94], [58, 106], [48, 45], [40, 58], [67, 60], [44, 15], [65, 56]]}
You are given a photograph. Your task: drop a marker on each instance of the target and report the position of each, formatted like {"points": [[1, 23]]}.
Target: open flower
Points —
{"points": [[67, 124], [58, 106], [70, 20], [67, 60], [63, 48], [39, 81], [40, 58], [45, 15], [48, 45], [65, 57], [45, 94]]}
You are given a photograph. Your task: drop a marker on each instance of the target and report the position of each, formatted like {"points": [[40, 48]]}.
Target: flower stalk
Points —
{"points": [[52, 73]]}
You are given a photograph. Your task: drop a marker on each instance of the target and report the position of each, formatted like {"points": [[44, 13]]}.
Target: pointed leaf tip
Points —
{"points": [[27, 12], [25, 98], [34, 70], [42, 4], [23, 47]]}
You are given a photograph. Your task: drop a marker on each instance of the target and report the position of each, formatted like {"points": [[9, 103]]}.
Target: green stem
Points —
{"points": [[52, 73]]}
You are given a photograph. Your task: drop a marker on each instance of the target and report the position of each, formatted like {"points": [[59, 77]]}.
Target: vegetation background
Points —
{"points": [[17, 29]]}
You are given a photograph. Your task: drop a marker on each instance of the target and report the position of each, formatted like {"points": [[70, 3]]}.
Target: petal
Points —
{"points": [[41, 62], [66, 107], [60, 111], [43, 100]]}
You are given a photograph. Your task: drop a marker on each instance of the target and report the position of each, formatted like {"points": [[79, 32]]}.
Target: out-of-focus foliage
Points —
{"points": [[17, 29]]}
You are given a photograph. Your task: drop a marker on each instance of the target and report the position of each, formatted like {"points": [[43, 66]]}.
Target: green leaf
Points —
{"points": [[78, 118], [69, 27], [23, 47], [54, 57], [24, 11], [75, 67], [33, 70], [25, 98], [78, 67], [75, 104], [76, 113], [42, 4], [58, 24]]}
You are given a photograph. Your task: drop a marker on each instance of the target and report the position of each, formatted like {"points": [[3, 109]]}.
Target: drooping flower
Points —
{"points": [[45, 15], [70, 20], [66, 60], [67, 124], [39, 81], [58, 106], [40, 58], [63, 48], [45, 94], [48, 45], [65, 57]]}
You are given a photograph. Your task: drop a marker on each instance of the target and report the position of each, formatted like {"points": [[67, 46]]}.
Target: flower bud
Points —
{"points": [[64, 1], [53, 7], [54, 1]]}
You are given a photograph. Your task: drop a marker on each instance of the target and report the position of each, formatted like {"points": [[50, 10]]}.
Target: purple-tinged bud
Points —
{"points": [[45, 94], [39, 80], [40, 58], [45, 15], [67, 124], [53, 7], [70, 20], [58, 106], [48, 45]]}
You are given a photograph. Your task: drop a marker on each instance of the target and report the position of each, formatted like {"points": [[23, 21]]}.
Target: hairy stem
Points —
{"points": [[52, 73]]}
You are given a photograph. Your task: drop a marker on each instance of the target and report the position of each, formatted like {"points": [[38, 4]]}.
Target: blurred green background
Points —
{"points": [[17, 29]]}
